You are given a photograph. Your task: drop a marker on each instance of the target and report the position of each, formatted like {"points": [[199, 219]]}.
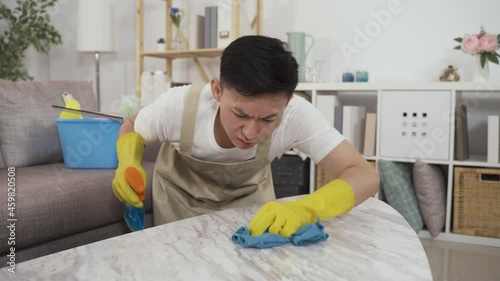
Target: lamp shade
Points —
{"points": [[95, 26]]}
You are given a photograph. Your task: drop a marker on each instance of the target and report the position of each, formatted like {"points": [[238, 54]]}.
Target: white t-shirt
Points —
{"points": [[303, 127]]}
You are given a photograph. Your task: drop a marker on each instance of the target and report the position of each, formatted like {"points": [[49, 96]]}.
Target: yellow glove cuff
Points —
{"points": [[129, 149], [333, 199]]}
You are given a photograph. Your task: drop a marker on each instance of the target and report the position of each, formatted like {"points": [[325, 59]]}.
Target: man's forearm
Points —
{"points": [[363, 186], [127, 126]]}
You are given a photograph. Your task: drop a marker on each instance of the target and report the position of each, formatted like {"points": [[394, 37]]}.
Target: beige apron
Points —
{"points": [[185, 187]]}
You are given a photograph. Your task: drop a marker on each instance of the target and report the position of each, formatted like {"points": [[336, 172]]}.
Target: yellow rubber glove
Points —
{"points": [[129, 148], [281, 218], [286, 218]]}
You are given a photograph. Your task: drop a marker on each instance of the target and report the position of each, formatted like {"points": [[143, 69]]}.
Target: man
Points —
{"points": [[219, 139]]}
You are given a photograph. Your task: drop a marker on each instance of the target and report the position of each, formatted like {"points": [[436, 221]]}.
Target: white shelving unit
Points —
{"points": [[369, 94]]}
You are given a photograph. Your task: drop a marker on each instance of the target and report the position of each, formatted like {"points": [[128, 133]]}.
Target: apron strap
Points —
{"points": [[263, 148], [189, 118]]}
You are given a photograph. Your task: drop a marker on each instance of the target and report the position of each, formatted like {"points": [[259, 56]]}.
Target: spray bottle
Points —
{"points": [[134, 217]]}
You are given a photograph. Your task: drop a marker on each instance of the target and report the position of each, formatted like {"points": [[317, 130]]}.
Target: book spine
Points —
{"points": [[196, 28], [370, 134], [325, 105], [208, 18], [338, 118], [213, 27], [353, 125], [224, 23], [461, 133], [494, 139]]}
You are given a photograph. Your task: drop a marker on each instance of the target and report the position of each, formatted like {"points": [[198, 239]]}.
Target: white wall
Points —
{"points": [[117, 69], [413, 45]]}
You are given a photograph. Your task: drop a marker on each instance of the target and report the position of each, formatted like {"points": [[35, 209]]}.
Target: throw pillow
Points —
{"points": [[381, 195], [398, 189], [28, 133], [430, 188]]}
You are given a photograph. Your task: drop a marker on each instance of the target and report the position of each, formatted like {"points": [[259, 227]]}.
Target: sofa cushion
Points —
{"points": [[28, 133], [430, 188], [54, 202], [72, 241], [396, 181], [151, 152], [2, 164]]}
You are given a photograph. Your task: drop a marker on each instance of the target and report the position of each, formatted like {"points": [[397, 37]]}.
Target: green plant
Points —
{"points": [[161, 41], [28, 25], [176, 15]]}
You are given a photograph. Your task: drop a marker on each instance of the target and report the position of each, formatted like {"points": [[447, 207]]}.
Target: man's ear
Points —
{"points": [[216, 89]]}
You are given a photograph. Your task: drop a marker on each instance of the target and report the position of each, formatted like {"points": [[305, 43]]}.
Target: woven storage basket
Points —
{"points": [[476, 202], [322, 177], [373, 164]]}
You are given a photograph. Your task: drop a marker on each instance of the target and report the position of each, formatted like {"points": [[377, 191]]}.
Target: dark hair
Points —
{"points": [[254, 65]]}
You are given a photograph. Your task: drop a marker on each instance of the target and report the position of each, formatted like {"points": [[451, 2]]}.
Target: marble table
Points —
{"points": [[372, 242]]}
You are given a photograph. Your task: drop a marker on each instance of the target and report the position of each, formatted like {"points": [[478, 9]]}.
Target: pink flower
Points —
{"points": [[488, 43], [470, 45]]}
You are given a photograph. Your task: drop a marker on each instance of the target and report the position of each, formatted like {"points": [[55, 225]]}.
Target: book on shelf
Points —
{"points": [[196, 35], [325, 104], [337, 121], [353, 125], [210, 36], [461, 133], [225, 23], [493, 139], [370, 134]]}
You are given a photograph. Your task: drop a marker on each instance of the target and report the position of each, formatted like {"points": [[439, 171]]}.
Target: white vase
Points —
{"points": [[481, 74], [177, 43], [160, 47]]}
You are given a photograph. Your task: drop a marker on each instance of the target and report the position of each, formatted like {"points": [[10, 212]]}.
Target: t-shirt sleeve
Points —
{"points": [[157, 121], [311, 132]]}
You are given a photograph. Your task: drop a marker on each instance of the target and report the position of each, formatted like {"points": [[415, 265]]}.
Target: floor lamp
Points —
{"points": [[95, 33]]}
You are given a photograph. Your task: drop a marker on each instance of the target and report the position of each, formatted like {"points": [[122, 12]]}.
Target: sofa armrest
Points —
{"points": [[151, 152]]}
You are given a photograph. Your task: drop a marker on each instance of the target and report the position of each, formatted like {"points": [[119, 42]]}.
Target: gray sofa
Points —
{"points": [[56, 208]]}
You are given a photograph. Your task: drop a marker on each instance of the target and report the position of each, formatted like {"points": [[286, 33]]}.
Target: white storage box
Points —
{"points": [[415, 124]]}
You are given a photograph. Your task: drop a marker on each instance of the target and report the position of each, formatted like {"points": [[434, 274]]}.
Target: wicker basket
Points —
{"points": [[373, 164], [322, 177], [476, 202]]}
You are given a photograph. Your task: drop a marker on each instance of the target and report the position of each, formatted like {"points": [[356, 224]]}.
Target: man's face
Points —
{"points": [[248, 120]]}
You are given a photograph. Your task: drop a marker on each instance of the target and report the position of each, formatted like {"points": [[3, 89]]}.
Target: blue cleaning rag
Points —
{"points": [[308, 234]]}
